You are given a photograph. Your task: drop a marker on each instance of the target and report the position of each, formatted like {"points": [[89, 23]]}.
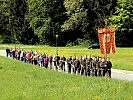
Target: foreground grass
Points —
{"points": [[122, 59], [23, 81]]}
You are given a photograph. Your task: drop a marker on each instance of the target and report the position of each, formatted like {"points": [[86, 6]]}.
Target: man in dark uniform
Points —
{"points": [[95, 66], [109, 66], [81, 58], [77, 66], [57, 58], [69, 62], [91, 66], [62, 63], [13, 53], [99, 66], [83, 67], [24, 56], [103, 66], [19, 52], [88, 66], [73, 62]]}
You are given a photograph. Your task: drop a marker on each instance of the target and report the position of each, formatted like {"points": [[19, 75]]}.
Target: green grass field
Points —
{"points": [[19, 81], [122, 59]]}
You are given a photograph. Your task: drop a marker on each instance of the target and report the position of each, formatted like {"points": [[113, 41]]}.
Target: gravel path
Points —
{"points": [[122, 74], [116, 74], [2, 53]]}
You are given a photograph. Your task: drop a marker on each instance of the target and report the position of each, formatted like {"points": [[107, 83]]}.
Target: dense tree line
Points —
{"points": [[123, 21], [38, 21]]}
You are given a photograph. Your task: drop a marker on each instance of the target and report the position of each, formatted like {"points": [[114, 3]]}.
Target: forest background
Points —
{"points": [[75, 21]]}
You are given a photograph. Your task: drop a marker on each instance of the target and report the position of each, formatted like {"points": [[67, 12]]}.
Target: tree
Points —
{"points": [[123, 21], [85, 16], [18, 23], [46, 18], [5, 35]]}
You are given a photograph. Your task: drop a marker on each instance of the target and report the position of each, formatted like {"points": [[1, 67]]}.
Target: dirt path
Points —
{"points": [[116, 74]]}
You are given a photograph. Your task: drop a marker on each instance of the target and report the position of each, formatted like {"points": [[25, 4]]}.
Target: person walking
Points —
{"points": [[109, 66], [16, 54], [77, 66], [7, 52], [21, 55], [57, 59], [69, 62], [50, 61], [29, 57], [83, 67], [35, 59], [46, 61], [63, 59], [40, 60]]}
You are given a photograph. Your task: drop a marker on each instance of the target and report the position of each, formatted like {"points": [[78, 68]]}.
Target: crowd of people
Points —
{"points": [[88, 66]]}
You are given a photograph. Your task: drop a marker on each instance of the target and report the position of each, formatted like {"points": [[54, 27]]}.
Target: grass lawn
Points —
{"points": [[122, 59], [19, 81]]}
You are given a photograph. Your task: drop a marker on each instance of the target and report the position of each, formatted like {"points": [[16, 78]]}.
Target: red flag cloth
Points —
{"points": [[101, 40], [112, 33], [107, 40]]}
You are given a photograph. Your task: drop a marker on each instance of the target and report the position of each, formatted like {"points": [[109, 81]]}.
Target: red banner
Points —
{"points": [[107, 40], [101, 40], [112, 32]]}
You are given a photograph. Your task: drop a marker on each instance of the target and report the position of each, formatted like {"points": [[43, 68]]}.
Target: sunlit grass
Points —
{"points": [[19, 81]]}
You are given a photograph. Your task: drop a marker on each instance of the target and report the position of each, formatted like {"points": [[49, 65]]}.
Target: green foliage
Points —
{"points": [[19, 26], [76, 13], [123, 21], [123, 18], [5, 35], [25, 81], [13, 25], [38, 21], [45, 18], [48, 18], [85, 16]]}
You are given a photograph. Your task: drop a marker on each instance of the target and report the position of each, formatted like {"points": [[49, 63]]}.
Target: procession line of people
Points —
{"points": [[87, 66]]}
